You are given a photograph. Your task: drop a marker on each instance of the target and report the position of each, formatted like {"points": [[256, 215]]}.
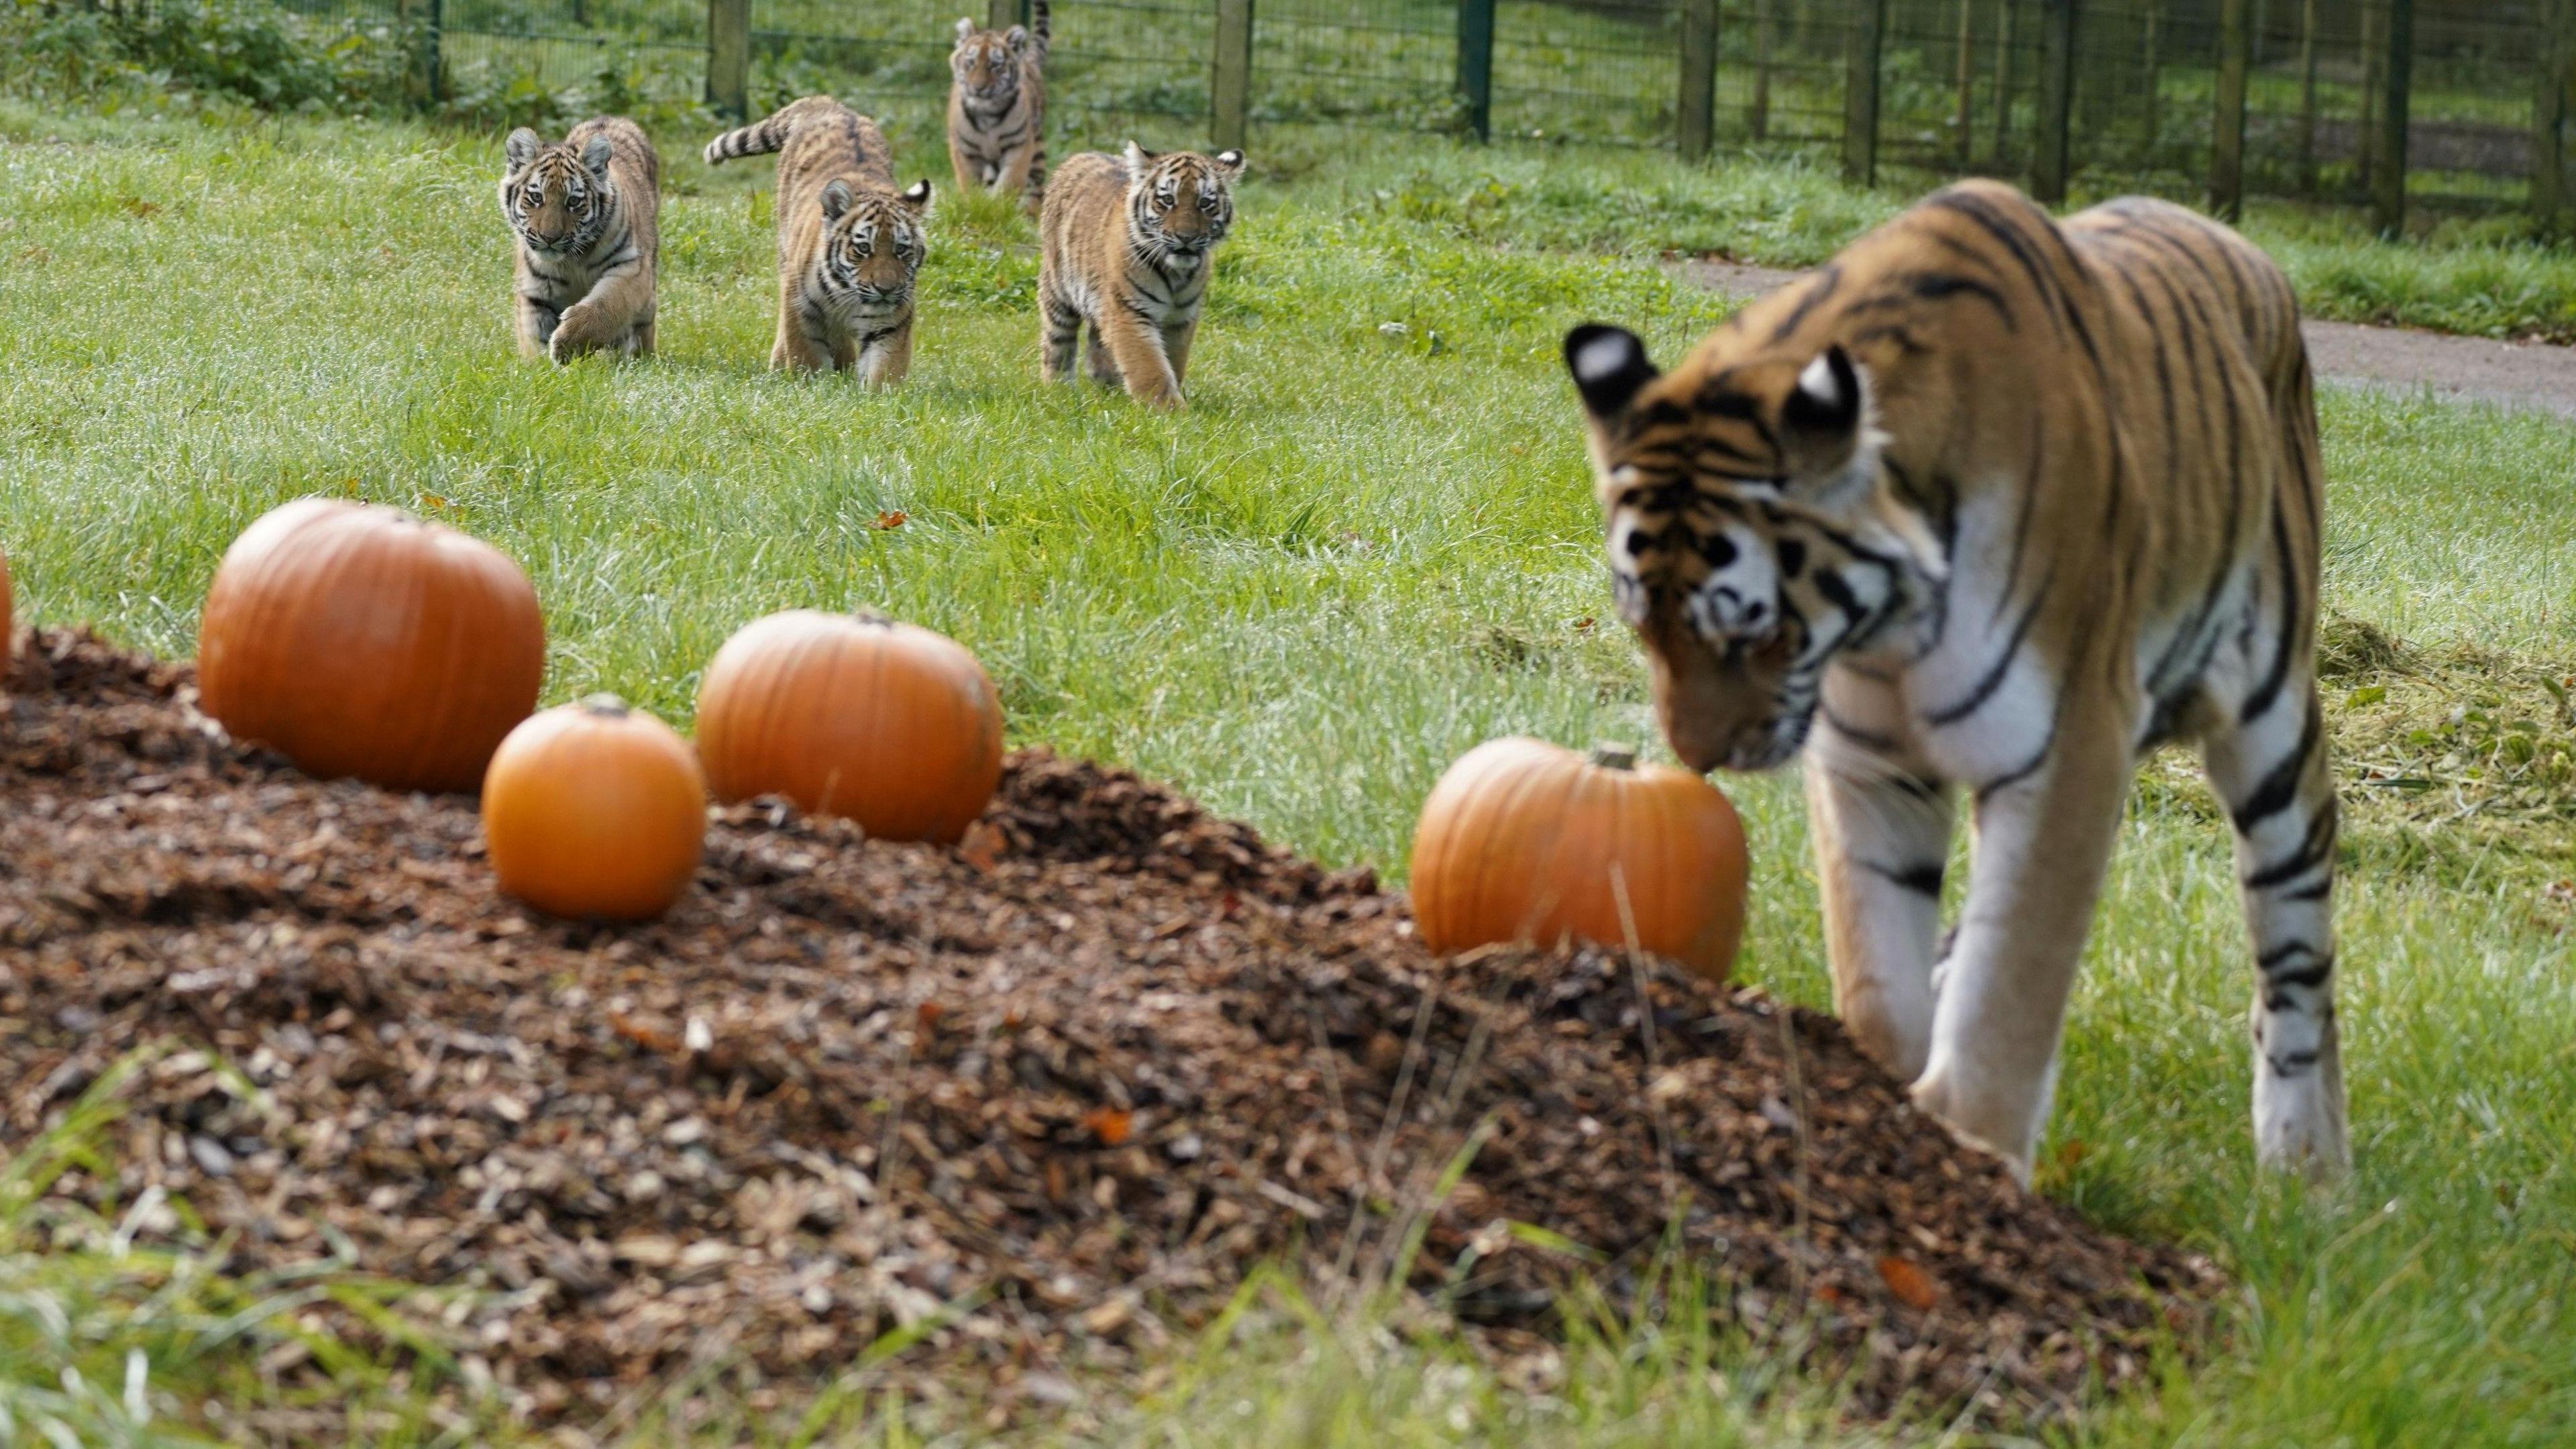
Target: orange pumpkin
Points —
{"points": [[360, 640], [854, 715], [1526, 841], [595, 810]]}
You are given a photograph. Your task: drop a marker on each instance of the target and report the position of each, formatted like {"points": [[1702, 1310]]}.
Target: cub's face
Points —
{"points": [[556, 199], [1741, 585], [986, 63], [873, 243], [1179, 202]]}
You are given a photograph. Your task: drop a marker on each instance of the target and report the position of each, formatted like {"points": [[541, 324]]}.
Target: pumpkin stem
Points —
{"points": [[1615, 757], [867, 615], [606, 706]]}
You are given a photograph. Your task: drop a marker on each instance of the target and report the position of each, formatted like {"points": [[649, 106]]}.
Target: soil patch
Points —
{"points": [[1049, 1094]]}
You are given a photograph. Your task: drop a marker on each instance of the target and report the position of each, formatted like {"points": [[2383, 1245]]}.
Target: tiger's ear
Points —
{"points": [[522, 147], [1231, 163], [1825, 406], [1138, 158], [596, 153], [918, 196], [1820, 419], [1609, 366], [965, 27], [836, 200], [1018, 39]]}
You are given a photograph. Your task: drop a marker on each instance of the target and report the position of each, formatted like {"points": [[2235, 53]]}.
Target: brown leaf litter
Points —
{"points": [[1052, 1094]]}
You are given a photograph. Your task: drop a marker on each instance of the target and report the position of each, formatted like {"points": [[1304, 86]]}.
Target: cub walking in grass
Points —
{"points": [[849, 244], [1126, 245], [997, 108], [587, 215]]}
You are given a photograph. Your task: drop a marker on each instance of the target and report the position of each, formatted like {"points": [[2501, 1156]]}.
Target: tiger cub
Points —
{"points": [[1991, 505], [1127, 245], [587, 215], [997, 107], [849, 244]]}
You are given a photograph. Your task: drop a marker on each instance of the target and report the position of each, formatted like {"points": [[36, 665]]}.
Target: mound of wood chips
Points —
{"points": [[1052, 1092]]}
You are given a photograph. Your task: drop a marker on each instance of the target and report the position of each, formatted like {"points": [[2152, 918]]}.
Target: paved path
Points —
{"points": [[2475, 369]]}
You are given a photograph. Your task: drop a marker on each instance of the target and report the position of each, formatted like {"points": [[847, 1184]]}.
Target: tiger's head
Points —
{"points": [[1751, 538], [557, 198], [873, 242], [986, 63], [1179, 203]]}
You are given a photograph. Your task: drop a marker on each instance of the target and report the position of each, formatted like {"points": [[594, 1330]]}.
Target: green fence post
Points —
{"points": [[433, 66], [1476, 65], [2388, 177], [1860, 92], [1695, 122], [1230, 89], [2549, 112], [2374, 55], [729, 57], [2155, 67], [2227, 127], [1961, 125], [2308, 98], [2049, 154], [1766, 39], [2005, 11]]}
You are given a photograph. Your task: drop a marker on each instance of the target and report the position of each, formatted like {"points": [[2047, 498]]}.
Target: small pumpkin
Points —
{"points": [[856, 715], [360, 640], [595, 810], [1522, 840]]}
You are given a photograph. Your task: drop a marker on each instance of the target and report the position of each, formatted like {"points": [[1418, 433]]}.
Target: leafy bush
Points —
{"points": [[248, 52]]}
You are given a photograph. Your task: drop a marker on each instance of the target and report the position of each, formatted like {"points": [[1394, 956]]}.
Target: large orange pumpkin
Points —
{"points": [[1526, 841], [854, 715], [595, 810], [359, 640]]}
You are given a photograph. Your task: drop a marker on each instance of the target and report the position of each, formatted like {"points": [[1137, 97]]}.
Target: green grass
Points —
{"points": [[1356, 556]]}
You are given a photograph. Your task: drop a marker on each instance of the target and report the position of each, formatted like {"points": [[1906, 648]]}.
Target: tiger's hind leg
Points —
{"points": [[1059, 333], [2269, 767], [1097, 361]]}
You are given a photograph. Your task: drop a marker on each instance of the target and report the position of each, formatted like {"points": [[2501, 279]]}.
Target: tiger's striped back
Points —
{"points": [[1994, 504], [997, 108]]}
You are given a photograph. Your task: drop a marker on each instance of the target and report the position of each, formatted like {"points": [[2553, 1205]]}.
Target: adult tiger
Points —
{"points": [[997, 107], [1999, 503], [850, 246], [586, 216]]}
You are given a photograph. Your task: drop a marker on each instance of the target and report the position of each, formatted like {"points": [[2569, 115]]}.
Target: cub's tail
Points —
{"points": [[1038, 25], [767, 134]]}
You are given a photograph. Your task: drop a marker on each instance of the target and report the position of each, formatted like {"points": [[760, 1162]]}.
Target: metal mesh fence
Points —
{"points": [[1961, 85]]}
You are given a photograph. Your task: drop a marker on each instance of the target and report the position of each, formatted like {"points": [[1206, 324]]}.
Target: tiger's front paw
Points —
{"points": [[576, 332], [1936, 1097]]}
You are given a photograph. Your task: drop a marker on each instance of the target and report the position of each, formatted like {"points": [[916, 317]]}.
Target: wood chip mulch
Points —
{"points": [[1052, 1092]]}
